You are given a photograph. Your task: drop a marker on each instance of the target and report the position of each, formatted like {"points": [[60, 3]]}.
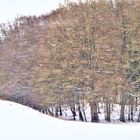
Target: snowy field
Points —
{"points": [[18, 122]]}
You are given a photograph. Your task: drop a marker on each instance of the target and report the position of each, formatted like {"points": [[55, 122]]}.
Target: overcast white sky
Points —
{"points": [[9, 9]]}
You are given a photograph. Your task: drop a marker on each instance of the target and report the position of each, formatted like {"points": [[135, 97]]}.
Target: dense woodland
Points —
{"points": [[81, 53]]}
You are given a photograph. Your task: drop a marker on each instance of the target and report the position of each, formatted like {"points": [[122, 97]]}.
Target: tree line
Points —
{"points": [[82, 53]]}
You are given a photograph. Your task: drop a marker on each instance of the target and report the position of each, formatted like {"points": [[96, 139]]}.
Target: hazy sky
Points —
{"points": [[9, 9]]}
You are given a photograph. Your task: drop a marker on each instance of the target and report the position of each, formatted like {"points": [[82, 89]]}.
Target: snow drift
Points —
{"points": [[18, 122]]}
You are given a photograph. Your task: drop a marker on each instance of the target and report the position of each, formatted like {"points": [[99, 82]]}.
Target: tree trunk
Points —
{"points": [[136, 104], [60, 110], [112, 107], [80, 114], [98, 108], [84, 114], [139, 117], [94, 113], [56, 111], [50, 112], [73, 110], [122, 111], [108, 111], [129, 113], [132, 108]]}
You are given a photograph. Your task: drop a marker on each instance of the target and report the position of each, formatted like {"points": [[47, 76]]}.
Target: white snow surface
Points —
{"points": [[18, 122]]}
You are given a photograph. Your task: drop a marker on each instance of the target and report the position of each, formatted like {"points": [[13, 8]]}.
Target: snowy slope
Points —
{"points": [[18, 122]]}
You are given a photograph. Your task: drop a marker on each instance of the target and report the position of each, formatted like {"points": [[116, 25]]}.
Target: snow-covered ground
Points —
{"points": [[18, 122]]}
